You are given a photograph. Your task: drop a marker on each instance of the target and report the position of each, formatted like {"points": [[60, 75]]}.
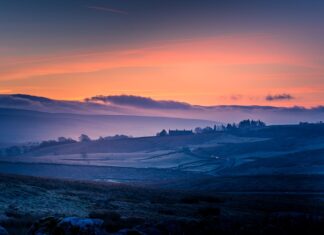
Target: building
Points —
{"points": [[180, 132]]}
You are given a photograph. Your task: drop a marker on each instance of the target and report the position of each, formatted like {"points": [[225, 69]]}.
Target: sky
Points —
{"points": [[219, 52]]}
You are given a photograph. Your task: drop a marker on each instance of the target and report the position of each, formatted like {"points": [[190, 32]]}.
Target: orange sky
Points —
{"points": [[201, 52], [236, 69]]}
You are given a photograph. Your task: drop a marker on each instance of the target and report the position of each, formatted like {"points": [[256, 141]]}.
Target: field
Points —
{"points": [[28, 199], [258, 181], [271, 150]]}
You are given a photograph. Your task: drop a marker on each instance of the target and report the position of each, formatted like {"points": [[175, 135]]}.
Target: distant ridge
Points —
{"points": [[145, 106], [19, 125]]}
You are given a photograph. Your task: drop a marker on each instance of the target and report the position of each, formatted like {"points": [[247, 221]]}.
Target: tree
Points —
{"points": [[245, 124], [261, 124], [208, 129], [62, 139], [251, 124], [47, 143], [162, 133], [198, 130], [230, 127], [84, 138]]}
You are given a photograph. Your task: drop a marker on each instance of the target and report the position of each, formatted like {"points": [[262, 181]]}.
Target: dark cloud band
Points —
{"points": [[279, 97], [140, 102]]}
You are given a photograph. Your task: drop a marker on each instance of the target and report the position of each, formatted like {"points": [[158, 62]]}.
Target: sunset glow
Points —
{"points": [[209, 66]]}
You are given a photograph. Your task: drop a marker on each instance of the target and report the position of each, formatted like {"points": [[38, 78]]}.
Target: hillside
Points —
{"points": [[41, 202], [272, 150], [28, 126]]}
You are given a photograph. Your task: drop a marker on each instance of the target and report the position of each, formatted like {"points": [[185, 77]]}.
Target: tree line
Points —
{"points": [[244, 124]]}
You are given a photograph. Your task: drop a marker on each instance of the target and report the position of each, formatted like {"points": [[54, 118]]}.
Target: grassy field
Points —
{"points": [[24, 200]]}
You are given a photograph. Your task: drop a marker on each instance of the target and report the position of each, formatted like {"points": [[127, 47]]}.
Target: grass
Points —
{"points": [[25, 200]]}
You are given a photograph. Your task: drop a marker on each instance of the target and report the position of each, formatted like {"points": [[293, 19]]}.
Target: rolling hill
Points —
{"points": [[27, 126]]}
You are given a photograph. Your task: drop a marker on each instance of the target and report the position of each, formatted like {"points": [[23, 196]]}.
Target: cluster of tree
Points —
{"points": [[85, 138], [59, 141], [251, 124], [22, 149], [14, 151], [162, 133], [245, 124], [175, 132], [206, 130], [63, 140], [115, 137]]}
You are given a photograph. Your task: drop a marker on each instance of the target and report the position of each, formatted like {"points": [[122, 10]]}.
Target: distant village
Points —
{"points": [[245, 124]]}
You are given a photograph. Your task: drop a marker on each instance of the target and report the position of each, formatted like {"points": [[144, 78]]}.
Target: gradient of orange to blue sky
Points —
{"points": [[201, 52]]}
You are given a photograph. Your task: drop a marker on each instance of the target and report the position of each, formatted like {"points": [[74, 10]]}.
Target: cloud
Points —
{"points": [[220, 55], [236, 97], [139, 102], [279, 97], [12, 101], [112, 10], [43, 104], [143, 106], [32, 98]]}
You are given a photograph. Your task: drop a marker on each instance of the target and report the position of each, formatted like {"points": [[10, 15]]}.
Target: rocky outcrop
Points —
{"points": [[112, 223], [81, 226], [68, 226]]}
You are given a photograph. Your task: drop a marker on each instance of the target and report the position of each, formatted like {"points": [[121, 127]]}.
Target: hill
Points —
{"points": [[271, 150], [28, 126]]}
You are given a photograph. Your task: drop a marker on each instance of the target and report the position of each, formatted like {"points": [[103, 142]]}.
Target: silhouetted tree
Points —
{"points": [[84, 138], [207, 129], [251, 124], [47, 143], [231, 127], [162, 133], [198, 130], [65, 140], [61, 139]]}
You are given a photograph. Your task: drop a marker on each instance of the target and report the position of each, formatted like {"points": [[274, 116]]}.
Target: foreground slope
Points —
{"points": [[26, 200]]}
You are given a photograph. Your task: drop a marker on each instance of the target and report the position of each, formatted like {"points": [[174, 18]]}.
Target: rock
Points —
{"points": [[81, 226], [45, 226], [113, 222], [3, 231], [68, 226]]}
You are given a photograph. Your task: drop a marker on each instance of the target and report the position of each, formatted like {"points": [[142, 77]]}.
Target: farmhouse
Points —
{"points": [[180, 132]]}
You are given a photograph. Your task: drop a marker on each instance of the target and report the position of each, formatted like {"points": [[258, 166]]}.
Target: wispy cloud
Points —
{"points": [[279, 97], [108, 9], [221, 51]]}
